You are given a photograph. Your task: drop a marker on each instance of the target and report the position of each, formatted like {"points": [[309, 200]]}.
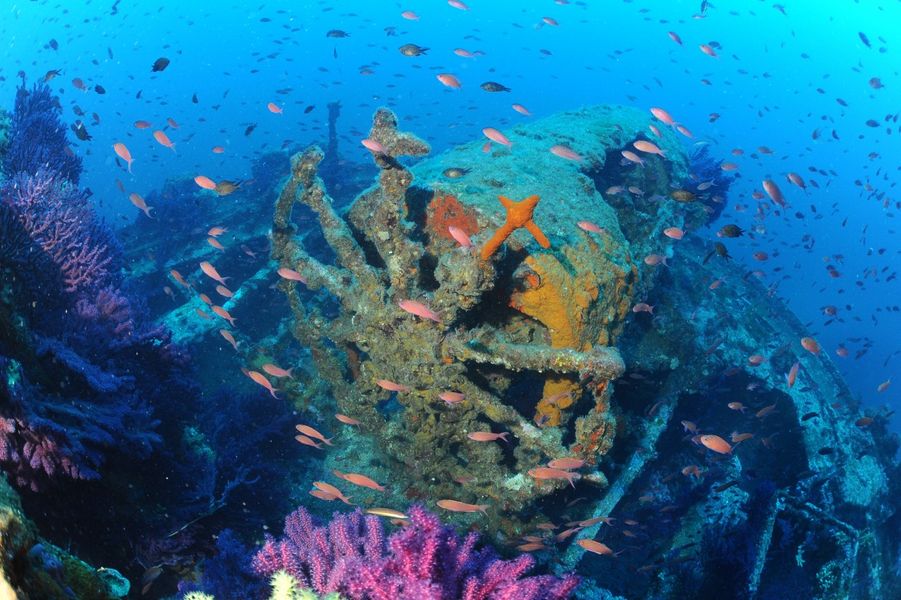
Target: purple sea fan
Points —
{"points": [[57, 219], [37, 136], [424, 561]]}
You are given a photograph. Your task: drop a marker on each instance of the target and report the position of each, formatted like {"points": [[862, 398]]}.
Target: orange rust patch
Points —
{"points": [[445, 210]]}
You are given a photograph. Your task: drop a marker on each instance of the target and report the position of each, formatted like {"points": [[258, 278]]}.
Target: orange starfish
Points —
{"points": [[519, 214]]}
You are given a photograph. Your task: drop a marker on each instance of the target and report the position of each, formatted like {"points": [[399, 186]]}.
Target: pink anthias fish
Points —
{"points": [[260, 379], [522, 110], [291, 275], [373, 146], [487, 436], [565, 152], [449, 80], [663, 116], [277, 371], [674, 233], [391, 386], [551, 473], [459, 236], [210, 271], [452, 397], [419, 309], [648, 147], [496, 136], [590, 227]]}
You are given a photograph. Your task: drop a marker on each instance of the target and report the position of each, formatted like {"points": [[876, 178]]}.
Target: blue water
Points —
{"points": [[764, 84], [794, 77]]}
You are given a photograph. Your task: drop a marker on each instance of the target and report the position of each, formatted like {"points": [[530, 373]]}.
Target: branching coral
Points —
{"points": [[425, 560], [37, 136], [388, 343], [54, 218]]}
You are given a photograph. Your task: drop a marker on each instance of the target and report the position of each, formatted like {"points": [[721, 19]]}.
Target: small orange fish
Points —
{"points": [[708, 50], [487, 436], [205, 299], [449, 80], [277, 371], [674, 233], [663, 116], [737, 406], [884, 385], [211, 272], [566, 463], [549, 473], [590, 227], [738, 438], [409, 15], [566, 152], [163, 139], [274, 108], [765, 411], [452, 397], [143, 125], [346, 420], [179, 278], [202, 314], [596, 547], [459, 236], [313, 433], [139, 202], [774, 192], [532, 547], [172, 123], [322, 495], [229, 338], [457, 506], [291, 275], [205, 182], [496, 136], [632, 157], [594, 521], [756, 360], [522, 110], [793, 374], [648, 147], [216, 231], [716, 443], [218, 149], [260, 379], [419, 309], [215, 243], [330, 489], [810, 345], [122, 152], [224, 291], [307, 441], [360, 480], [391, 386]]}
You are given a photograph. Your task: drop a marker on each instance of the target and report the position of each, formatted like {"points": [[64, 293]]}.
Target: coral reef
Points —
{"points": [[37, 136], [423, 560]]}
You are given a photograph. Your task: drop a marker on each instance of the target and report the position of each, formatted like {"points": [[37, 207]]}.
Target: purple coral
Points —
{"points": [[425, 560], [37, 136], [57, 220]]}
